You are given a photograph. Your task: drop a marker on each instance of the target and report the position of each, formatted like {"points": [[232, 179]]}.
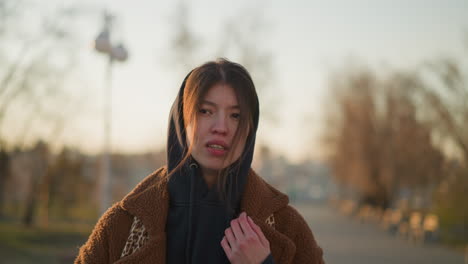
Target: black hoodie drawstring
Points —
{"points": [[188, 248]]}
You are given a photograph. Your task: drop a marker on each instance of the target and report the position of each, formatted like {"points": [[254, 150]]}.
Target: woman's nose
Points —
{"points": [[220, 125]]}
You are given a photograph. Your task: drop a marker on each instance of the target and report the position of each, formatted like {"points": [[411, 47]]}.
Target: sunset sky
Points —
{"points": [[307, 40]]}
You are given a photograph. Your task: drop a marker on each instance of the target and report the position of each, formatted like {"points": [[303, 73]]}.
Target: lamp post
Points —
{"points": [[115, 53]]}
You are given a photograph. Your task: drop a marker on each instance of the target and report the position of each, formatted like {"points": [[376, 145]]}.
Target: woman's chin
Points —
{"points": [[213, 167]]}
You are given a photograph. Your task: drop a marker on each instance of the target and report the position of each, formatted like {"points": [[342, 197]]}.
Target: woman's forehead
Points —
{"points": [[221, 95]]}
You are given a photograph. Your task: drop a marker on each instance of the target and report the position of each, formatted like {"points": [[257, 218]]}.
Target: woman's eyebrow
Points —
{"points": [[215, 105]]}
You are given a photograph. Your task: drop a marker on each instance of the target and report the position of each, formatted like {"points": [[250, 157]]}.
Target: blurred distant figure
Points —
{"points": [[207, 205]]}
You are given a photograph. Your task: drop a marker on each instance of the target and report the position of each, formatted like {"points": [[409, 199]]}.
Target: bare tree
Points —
{"points": [[447, 94], [378, 143], [33, 79], [38, 166]]}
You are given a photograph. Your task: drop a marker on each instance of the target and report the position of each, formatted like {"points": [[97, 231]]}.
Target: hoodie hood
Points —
{"points": [[197, 217]]}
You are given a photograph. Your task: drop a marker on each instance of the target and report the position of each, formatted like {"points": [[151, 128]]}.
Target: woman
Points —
{"points": [[207, 205]]}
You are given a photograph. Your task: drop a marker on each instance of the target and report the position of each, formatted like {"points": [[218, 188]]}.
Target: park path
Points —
{"points": [[345, 240]]}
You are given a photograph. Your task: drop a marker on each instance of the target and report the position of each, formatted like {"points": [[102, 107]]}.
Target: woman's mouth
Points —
{"points": [[217, 149]]}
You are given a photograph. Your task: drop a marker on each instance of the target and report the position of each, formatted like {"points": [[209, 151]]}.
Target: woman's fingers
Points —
{"points": [[244, 241], [246, 228], [230, 238], [259, 233], [238, 234], [226, 247]]}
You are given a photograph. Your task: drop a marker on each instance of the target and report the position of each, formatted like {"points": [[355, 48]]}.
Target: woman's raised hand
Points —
{"points": [[244, 242]]}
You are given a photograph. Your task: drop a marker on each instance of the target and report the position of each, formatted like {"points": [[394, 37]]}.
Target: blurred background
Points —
{"points": [[364, 115]]}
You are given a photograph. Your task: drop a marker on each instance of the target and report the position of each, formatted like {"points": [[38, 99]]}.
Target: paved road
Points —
{"points": [[345, 240]]}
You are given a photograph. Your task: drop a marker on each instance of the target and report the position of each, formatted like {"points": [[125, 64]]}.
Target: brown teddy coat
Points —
{"points": [[291, 240]]}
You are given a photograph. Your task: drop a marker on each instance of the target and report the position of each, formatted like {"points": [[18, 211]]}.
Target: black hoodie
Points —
{"points": [[197, 218]]}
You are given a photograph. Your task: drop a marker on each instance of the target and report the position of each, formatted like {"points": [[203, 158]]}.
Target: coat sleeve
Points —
{"points": [[307, 249], [269, 260], [103, 245]]}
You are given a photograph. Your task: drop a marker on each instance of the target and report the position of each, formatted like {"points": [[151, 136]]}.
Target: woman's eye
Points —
{"points": [[204, 111], [236, 115]]}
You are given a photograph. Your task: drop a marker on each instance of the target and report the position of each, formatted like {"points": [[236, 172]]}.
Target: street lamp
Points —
{"points": [[115, 53]]}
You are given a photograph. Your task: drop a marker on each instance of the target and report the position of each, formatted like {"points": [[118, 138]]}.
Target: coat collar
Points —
{"points": [[261, 200], [257, 192], [149, 201]]}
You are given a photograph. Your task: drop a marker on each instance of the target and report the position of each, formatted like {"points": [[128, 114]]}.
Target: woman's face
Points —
{"points": [[217, 121]]}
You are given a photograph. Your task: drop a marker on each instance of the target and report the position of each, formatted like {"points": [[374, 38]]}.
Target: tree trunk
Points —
{"points": [[4, 175]]}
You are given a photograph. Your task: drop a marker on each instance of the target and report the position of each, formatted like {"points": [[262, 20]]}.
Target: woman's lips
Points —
{"points": [[217, 148], [216, 151]]}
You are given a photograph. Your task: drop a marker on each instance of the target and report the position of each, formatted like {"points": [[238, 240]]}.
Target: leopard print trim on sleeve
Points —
{"points": [[136, 239]]}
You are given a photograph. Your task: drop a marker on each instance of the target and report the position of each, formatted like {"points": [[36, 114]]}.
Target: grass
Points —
{"points": [[58, 243]]}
